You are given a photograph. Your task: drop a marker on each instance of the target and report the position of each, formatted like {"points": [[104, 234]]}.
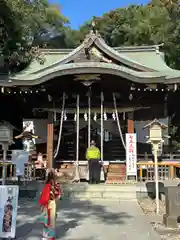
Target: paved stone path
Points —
{"points": [[85, 220]]}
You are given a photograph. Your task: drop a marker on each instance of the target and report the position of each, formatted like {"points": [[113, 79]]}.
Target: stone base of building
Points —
{"points": [[110, 172], [170, 221]]}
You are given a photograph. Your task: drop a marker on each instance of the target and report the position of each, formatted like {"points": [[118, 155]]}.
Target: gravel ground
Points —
{"points": [[149, 208]]}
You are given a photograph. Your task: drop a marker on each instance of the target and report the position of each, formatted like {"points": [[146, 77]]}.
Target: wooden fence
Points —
{"points": [[166, 170], [168, 166]]}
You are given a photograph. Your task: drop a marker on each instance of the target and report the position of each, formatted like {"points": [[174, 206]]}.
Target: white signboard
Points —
{"points": [[28, 126], [8, 210], [131, 154], [20, 158]]}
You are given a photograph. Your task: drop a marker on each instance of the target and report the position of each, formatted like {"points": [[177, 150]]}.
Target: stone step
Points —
{"points": [[102, 196], [119, 171], [100, 192], [115, 179], [117, 166], [116, 171], [83, 191], [115, 175], [103, 187]]}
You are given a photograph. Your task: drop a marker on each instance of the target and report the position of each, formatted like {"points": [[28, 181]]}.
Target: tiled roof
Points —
{"points": [[142, 64]]}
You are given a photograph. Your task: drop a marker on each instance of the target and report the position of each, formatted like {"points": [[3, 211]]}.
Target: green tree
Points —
{"points": [[153, 23], [24, 26]]}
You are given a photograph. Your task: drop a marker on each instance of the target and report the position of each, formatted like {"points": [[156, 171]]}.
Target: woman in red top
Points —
{"points": [[50, 193]]}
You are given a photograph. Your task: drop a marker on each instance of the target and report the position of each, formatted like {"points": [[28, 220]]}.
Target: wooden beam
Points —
{"points": [[50, 139], [130, 122], [93, 110]]}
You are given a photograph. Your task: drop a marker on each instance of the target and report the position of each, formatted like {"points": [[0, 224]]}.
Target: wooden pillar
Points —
{"points": [[50, 139], [130, 123]]}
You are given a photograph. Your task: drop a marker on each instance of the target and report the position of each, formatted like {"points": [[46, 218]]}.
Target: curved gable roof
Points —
{"points": [[147, 60], [64, 56], [87, 68]]}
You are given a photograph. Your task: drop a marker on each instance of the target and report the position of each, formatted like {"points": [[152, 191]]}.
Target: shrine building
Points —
{"points": [[91, 92]]}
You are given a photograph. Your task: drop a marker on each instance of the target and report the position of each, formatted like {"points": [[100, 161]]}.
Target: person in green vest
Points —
{"points": [[93, 156]]}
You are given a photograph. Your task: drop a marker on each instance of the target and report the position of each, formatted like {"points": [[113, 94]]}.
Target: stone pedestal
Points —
{"points": [[132, 178], [172, 206], [170, 221]]}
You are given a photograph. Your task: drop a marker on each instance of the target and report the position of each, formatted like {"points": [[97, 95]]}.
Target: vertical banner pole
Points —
{"points": [[77, 130], [131, 155], [89, 118], [102, 125], [77, 178], [4, 169]]}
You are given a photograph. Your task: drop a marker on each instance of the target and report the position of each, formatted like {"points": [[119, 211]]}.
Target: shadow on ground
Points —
{"points": [[70, 215]]}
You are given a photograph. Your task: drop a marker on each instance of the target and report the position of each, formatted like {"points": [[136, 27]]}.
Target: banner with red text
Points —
{"points": [[8, 210], [131, 154]]}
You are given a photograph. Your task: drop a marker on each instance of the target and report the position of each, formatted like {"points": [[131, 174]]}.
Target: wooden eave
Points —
{"points": [[155, 121], [84, 68]]}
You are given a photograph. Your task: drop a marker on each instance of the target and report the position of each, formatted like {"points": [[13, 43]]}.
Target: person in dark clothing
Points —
{"points": [[93, 156]]}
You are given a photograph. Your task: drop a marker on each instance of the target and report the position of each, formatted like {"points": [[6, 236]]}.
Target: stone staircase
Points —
{"points": [[116, 173], [69, 144], [113, 147], [100, 192], [84, 191], [118, 151]]}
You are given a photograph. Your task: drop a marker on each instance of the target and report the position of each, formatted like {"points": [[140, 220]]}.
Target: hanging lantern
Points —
{"points": [[95, 116], [49, 98], [85, 116], [130, 96], [75, 117], [105, 116], [55, 117], [114, 116], [65, 116]]}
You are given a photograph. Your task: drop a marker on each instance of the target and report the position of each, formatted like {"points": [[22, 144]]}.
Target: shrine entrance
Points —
{"points": [[113, 148], [91, 92], [77, 127]]}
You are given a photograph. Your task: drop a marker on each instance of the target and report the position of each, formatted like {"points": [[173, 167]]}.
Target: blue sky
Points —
{"points": [[79, 11]]}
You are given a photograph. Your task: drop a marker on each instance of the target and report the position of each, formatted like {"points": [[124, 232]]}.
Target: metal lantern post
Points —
{"points": [[6, 139], [155, 138]]}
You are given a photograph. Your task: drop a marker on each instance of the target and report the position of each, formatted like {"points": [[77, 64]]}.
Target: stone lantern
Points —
{"points": [[6, 134], [155, 138], [6, 139], [156, 129]]}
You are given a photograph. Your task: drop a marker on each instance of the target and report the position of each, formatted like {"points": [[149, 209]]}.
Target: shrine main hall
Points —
{"points": [[91, 92]]}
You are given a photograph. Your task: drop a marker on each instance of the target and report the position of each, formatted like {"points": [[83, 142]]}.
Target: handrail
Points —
{"points": [[159, 164], [141, 158]]}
